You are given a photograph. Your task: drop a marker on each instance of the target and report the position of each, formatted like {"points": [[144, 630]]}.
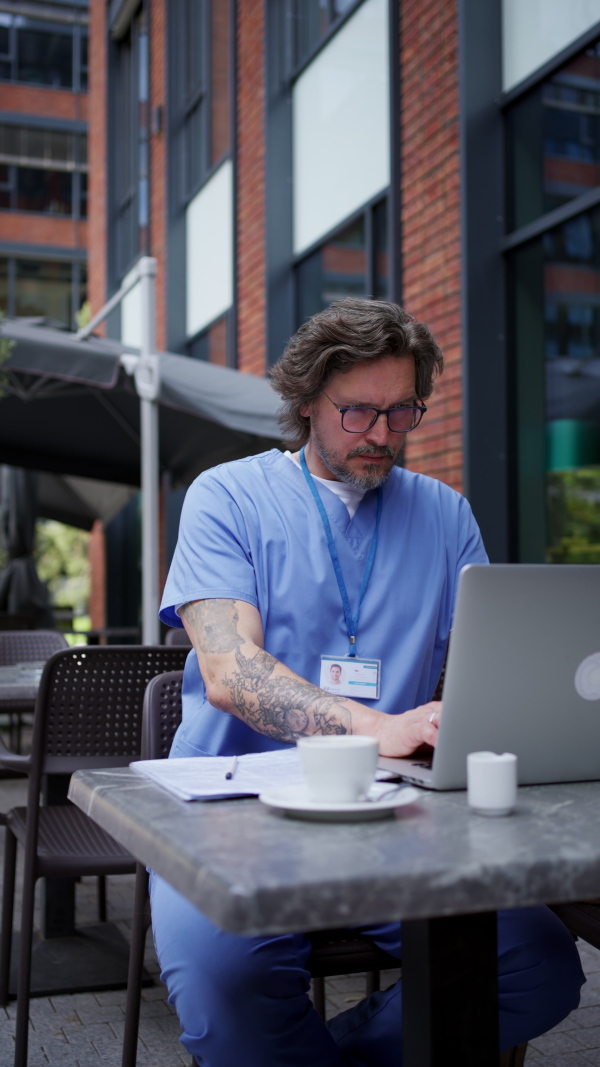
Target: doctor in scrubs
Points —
{"points": [[331, 550]]}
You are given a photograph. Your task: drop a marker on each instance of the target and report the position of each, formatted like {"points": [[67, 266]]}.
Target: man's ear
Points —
{"points": [[305, 411]]}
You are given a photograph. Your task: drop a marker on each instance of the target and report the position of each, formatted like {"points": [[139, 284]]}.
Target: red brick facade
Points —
{"points": [[431, 218], [251, 276]]}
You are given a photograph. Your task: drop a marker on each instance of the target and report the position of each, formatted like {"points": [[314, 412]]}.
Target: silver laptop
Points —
{"points": [[523, 675]]}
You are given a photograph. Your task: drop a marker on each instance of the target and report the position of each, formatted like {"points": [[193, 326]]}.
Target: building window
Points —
{"points": [[211, 345], [352, 262], [43, 170], [38, 287], [554, 138], [40, 52], [201, 31], [312, 20], [130, 156]]}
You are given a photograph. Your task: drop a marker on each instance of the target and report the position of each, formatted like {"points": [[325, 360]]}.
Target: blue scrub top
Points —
{"points": [[250, 530]]}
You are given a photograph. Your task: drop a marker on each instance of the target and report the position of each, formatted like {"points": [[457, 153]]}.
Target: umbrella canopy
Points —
{"points": [[70, 407], [21, 591]]}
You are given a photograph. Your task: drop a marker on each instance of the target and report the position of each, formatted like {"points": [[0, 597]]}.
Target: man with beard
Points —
{"points": [[285, 561]]}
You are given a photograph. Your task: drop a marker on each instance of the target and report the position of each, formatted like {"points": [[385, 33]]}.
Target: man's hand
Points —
{"points": [[401, 735]]}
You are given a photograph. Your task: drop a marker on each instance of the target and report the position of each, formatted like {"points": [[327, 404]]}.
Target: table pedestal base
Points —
{"points": [[95, 958], [450, 991]]}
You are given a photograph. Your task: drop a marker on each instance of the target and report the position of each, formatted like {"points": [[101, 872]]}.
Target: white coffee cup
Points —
{"points": [[492, 782], [338, 769]]}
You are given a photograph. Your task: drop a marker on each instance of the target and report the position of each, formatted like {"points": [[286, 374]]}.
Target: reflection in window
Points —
{"points": [[312, 21], [45, 58], [43, 288], [39, 287], [40, 52], [353, 262], [47, 191], [554, 140], [558, 332]]}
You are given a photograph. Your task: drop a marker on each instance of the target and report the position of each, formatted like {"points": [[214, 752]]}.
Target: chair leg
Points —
{"points": [[24, 981], [318, 985], [514, 1057], [8, 902], [373, 983], [101, 898], [139, 928]]}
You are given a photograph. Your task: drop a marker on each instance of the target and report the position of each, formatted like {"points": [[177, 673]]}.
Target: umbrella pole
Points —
{"points": [[147, 383]]}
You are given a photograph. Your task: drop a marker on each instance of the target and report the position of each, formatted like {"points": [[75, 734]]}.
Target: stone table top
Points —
{"points": [[20, 682], [253, 871]]}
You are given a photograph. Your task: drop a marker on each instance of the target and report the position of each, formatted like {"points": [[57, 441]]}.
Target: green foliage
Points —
{"points": [[574, 515], [6, 346], [61, 556]]}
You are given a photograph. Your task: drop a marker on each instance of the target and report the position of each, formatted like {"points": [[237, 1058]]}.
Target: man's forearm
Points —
{"points": [[247, 681]]}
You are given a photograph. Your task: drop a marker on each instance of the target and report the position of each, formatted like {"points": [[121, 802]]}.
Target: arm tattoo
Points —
{"points": [[280, 707], [215, 624]]}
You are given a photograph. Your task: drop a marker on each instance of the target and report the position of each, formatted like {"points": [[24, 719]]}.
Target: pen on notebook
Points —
{"points": [[231, 771]]}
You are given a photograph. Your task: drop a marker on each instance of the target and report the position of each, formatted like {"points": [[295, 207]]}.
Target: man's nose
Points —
{"points": [[379, 434]]}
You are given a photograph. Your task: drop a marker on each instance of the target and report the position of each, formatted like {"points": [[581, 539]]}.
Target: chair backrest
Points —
{"points": [[88, 711], [161, 714], [29, 646], [177, 637]]}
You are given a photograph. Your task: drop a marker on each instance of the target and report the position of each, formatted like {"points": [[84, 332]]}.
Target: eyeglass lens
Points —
{"points": [[400, 420]]}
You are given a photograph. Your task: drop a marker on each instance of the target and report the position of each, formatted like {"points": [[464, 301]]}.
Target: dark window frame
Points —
{"points": [[295, 64]]}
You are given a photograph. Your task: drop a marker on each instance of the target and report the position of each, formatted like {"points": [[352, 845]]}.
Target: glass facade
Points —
{"points": [[555, 305], [37, 287], [40, 52], [353, 262], [554, 141]]}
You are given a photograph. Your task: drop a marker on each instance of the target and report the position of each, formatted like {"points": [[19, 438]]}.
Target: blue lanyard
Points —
{"points": [[351, 621]]}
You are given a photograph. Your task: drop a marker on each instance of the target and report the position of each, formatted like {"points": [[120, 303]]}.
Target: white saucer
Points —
{"points": [[382, 800]]}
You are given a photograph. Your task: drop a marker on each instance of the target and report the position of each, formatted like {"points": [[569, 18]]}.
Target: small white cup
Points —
{"points": [[338, 769], [492, 782]]}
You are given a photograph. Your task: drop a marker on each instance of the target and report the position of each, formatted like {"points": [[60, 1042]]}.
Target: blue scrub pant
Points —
{"points": [[244, 1000]]}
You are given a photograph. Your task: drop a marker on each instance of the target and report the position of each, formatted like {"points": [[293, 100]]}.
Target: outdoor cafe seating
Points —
{"points": [[88, 713], [23, 646]]}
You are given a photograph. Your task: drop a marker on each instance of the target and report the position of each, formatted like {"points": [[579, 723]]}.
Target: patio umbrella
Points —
{"points": [[93, 408], [21, 591]]}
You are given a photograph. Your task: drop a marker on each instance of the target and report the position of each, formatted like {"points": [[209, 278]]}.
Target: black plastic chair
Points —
{"points": [[88, 714], [25, 646], [334, 952], [177, 637]]}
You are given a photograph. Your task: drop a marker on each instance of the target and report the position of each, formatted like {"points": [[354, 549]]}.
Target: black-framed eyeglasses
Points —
{"points": [[359, 419]]}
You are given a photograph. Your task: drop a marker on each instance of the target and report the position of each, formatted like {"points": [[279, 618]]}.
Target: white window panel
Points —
{"points": [[341, 125], [533, 31], [209, 250], [131, 314]]}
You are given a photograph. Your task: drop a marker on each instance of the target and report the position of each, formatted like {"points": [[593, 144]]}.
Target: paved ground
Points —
{"points": [[86, 1030]]}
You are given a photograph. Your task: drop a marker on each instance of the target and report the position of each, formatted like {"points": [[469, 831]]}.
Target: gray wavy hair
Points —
{"points": [[348, 332]]}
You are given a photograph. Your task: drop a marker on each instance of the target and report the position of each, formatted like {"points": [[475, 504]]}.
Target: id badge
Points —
{"points": [[351, 677]]}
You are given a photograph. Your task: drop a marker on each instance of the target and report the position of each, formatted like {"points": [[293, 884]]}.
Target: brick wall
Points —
{"points": [[28, 226], [430, 218], [97, 560], [251, 276], [57, 103], [97, 260]]}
